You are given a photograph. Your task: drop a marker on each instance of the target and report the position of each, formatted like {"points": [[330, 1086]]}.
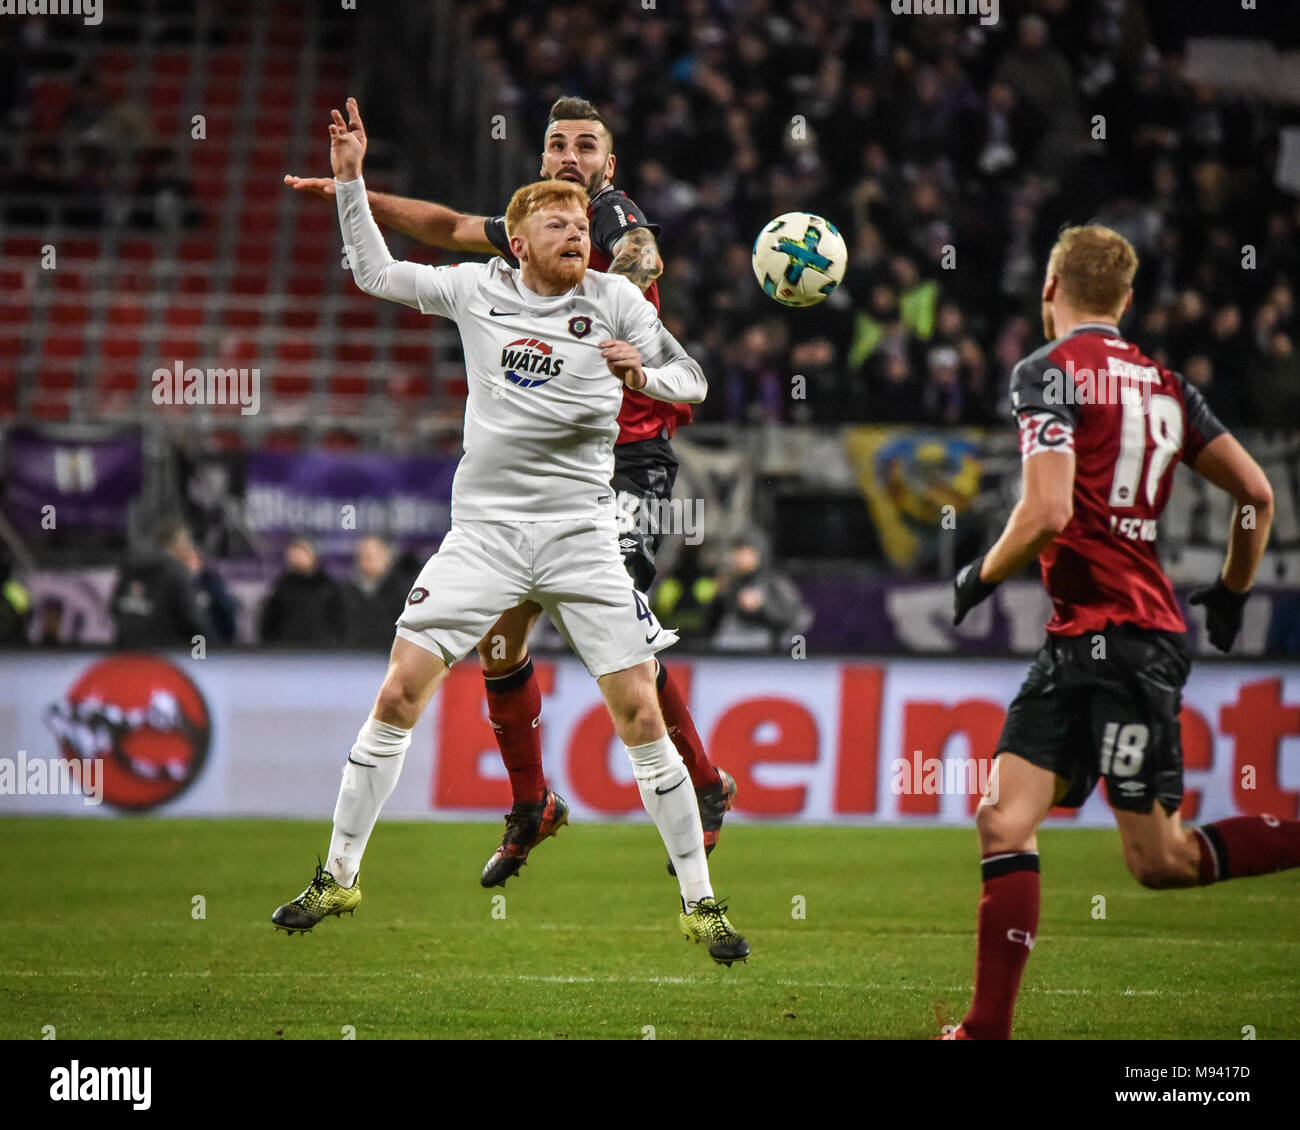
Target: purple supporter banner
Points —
{"points": [[406, 499], [89, 482], [888, 616]]}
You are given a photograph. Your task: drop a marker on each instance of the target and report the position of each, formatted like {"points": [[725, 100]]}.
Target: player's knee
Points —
{"points": [[636, 716], [1000, 830], [398, 704], [1158, 871]]}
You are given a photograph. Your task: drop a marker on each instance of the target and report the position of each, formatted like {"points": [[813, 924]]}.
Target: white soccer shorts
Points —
{"points": [[571, 567]]}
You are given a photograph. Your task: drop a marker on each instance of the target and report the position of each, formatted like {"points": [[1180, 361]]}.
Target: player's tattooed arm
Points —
{"points": [[636, 256]]}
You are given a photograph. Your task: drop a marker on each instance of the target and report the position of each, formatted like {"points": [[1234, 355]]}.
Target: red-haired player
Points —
{"points": [[578, 147]]}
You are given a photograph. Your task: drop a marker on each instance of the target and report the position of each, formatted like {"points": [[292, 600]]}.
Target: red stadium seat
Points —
{"points": [[56, 380], [117, 391], [136, 250], [409, 318], [64, 346], [197, 250], [68, 314], [254, 254], [413, 353], [307, 284], [300, 318], [354, 352], [360, 314], [175, 348], [174, 63], [77, 248], [15, 312], [349, 388], [295, 350], [123, 314], [227, 65], [11, 346], [23, 247], [242, 317], [410, 387], [249, 282], [119, 349], [290, 386], [73, 281], [183, 317]]}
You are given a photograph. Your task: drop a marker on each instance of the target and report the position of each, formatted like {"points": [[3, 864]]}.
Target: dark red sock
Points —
{"points": [[1247, 845], [681, 728], [514, 709], [1008, 921]]}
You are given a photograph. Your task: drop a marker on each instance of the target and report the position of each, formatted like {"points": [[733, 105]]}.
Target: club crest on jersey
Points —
{"points": [[527, 362], [580, 325]]}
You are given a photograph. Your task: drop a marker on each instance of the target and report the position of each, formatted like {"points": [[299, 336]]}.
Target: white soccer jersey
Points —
{"points": [[541, 416]]}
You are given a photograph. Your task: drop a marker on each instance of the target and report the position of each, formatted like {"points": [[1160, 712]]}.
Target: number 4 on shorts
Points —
{"points": [[642, 611]]}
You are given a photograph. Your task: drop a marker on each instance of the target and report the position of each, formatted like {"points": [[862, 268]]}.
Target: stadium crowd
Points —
{"points": [[949, 154]]}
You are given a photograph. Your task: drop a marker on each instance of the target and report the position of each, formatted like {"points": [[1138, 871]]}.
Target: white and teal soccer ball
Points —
{"points": [[799, 259]]}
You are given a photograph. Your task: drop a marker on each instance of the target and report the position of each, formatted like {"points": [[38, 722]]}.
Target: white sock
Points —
{"points": [[369, 778], [668, 796]]}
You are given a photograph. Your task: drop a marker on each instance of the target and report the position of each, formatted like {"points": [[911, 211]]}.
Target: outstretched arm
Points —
{"points": [[420, 219]]}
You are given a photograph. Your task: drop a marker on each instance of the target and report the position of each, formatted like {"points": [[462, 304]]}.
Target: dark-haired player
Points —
{"points": [[1101, 430], [578, 147]]}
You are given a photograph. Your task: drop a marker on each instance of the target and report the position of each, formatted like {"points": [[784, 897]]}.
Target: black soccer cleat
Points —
{"points": [[527, 825]]}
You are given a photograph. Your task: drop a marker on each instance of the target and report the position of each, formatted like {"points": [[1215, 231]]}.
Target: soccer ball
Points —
{"points": [[799, 259]]}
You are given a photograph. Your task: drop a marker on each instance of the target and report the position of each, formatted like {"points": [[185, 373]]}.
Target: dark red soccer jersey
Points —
{"points": [[612, 214], [1128, 421]]}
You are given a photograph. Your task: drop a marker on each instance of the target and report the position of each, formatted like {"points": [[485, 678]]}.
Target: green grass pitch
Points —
{"points": [[99, 938]]}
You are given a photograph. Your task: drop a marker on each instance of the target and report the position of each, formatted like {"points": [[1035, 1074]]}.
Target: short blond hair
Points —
{"points": [[532, 198], [1094, 267]]}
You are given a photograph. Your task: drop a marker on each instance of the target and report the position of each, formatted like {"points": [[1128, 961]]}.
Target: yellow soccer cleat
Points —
{"points": [[322, 898], [707, 922]]}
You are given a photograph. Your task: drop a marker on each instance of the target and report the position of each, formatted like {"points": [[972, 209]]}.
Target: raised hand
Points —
{"points": [[347, 142]]}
